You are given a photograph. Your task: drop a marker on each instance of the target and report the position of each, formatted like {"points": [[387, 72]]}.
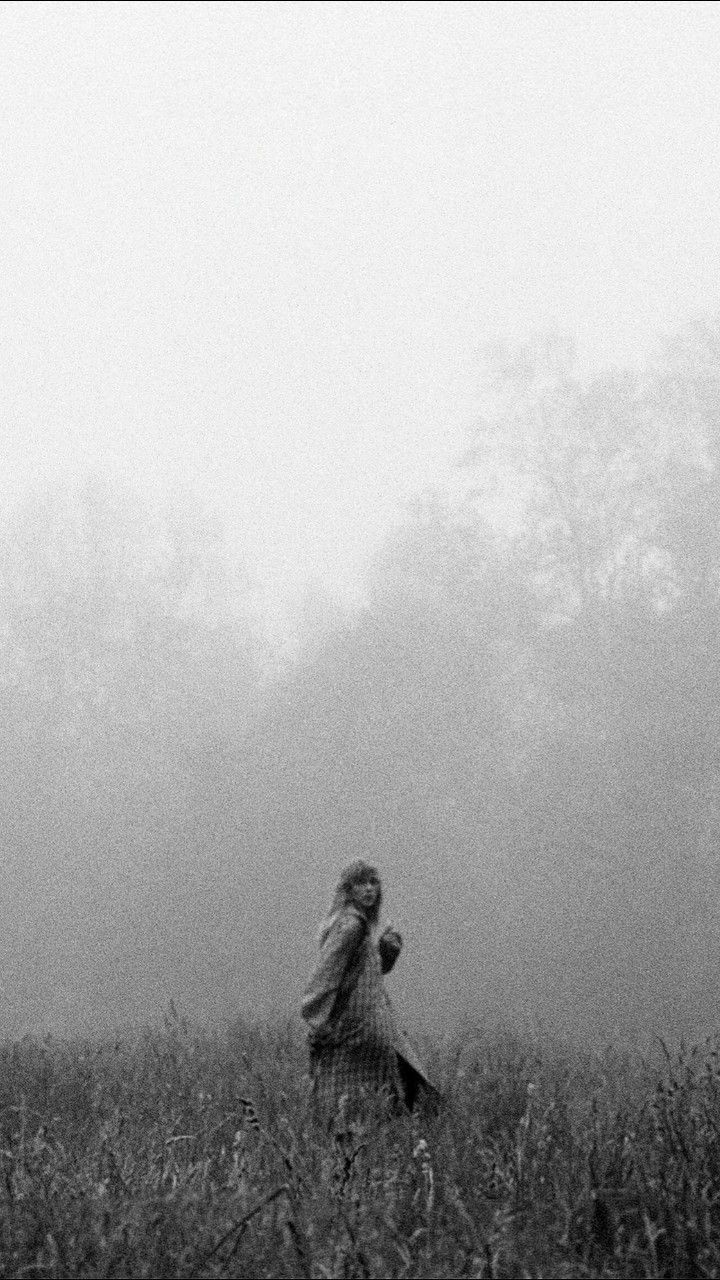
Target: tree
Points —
{"points": [[126, 683]]}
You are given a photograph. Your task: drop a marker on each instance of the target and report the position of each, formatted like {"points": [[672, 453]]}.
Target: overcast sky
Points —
{"points": [[260, 245]]}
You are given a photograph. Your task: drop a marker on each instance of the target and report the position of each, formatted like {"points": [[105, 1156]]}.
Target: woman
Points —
{"points": [[355, 1046]]}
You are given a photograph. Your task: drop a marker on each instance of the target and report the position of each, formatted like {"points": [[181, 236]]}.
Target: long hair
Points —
{"points": [[342, 897]]}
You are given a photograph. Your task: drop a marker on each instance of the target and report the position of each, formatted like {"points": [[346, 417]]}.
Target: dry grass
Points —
{"points": [[186, 1154]]}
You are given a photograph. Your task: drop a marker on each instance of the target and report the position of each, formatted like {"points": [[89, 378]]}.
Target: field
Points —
{"points": [[178, 1152]]}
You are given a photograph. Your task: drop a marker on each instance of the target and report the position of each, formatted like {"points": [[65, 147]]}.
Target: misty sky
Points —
{"points": [[258, 247]]}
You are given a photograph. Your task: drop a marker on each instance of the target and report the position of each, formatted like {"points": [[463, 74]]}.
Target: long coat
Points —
{"points": [[355, 1044]]}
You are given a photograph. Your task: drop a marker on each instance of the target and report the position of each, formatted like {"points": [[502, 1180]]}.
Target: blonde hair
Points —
{"points": [[355, 873]]}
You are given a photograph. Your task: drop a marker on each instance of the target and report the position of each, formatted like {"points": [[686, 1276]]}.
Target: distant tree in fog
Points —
{"points": [[619, 541], [125, 683]]}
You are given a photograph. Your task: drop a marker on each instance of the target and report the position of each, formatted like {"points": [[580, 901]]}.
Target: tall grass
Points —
{"points": [[181, 1153]]}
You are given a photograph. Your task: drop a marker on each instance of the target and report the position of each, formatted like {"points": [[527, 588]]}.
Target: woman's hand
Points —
{"points": [[389, 946], [317, 1041]]}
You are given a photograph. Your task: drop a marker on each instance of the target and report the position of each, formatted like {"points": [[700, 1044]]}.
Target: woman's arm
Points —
{"points": [[336, 954]]}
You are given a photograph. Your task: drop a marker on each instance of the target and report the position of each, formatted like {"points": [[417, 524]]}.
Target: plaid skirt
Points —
{"points": [[353, 1077]]}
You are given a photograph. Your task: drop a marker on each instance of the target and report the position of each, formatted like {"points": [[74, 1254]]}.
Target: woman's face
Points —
{"points": [[365, 893]]}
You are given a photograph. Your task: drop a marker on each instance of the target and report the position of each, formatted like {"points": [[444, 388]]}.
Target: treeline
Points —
{"points": [[519, 726]]}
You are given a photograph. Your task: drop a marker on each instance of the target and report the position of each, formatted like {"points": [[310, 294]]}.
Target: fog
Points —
{"points": [[360, 439]]}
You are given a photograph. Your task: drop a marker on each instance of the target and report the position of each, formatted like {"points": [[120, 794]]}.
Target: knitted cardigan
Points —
{"points": [[352, 1032]]}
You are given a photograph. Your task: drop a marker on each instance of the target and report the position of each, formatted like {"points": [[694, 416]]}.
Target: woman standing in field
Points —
{"points": [[355, 1046]]}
